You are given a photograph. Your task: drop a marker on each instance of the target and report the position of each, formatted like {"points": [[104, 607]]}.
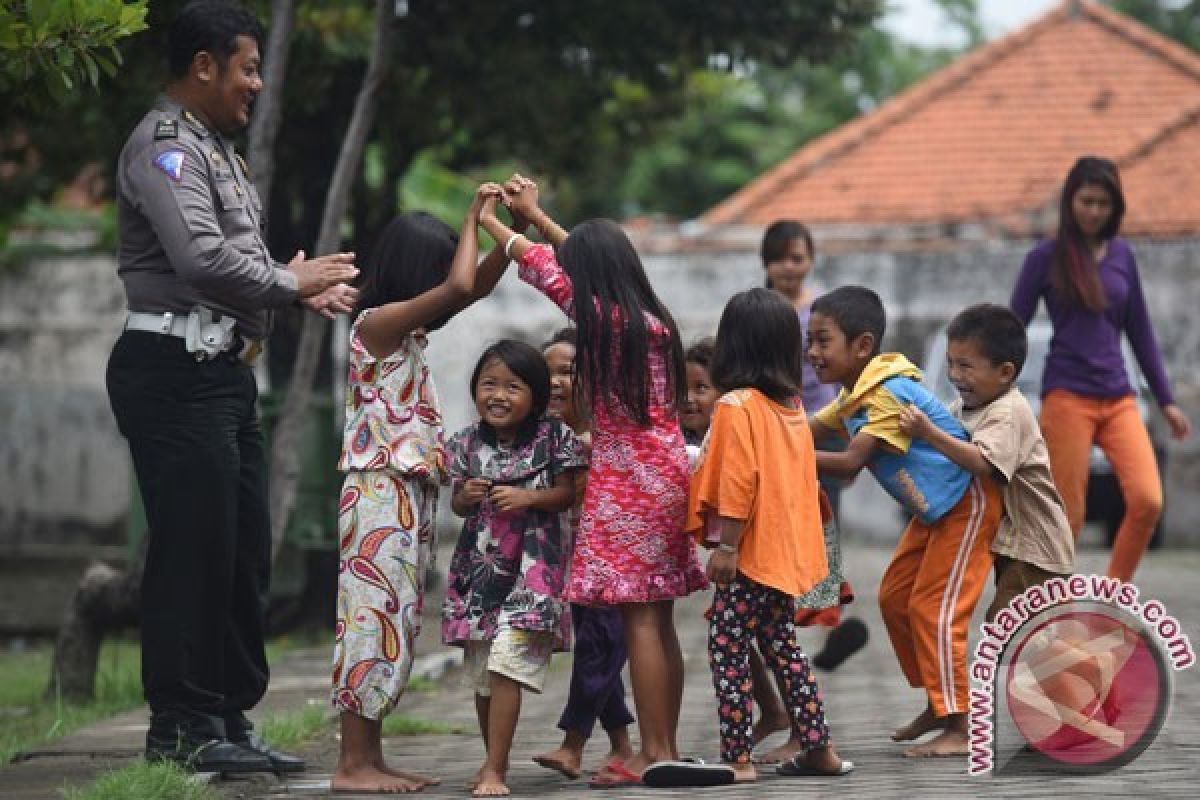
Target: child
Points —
{"points": [[701, 394], [631, 551], [985, 351], [511, 476], [419, 276], [597, 691], [941, 563], [756, 485]]}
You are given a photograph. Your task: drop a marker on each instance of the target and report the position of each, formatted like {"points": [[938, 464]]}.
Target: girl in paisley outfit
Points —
{"points": [[512, 475], [420, 274]]}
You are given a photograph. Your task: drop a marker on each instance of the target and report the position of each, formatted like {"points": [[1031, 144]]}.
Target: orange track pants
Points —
{"points": [[1070, 424], [930, 589]]}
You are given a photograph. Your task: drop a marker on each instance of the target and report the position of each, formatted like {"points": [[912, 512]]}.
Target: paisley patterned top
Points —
{"points": [[507, 569], [393, 420]]}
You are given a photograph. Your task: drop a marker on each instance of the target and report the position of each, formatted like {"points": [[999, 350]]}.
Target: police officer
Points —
{"points": [[201, 285]]}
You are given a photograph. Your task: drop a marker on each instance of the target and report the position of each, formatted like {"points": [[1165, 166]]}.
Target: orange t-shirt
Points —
{"points": [[757, 464]]}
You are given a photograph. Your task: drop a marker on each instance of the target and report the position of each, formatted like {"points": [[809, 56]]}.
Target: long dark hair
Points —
{"points": [[610, 283], [1073, 271], [528, 365], [778, 238], [410, 257], [759, 345]]}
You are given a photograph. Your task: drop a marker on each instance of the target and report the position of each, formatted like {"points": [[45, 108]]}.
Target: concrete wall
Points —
{"points": [[66, 468]]}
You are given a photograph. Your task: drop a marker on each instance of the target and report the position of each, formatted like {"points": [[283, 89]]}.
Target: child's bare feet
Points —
{"points": [[766, 725], [925, 722], [491, 784], [368, 779], [416, 777], [565, 760], [953, 741], [947, 743], [782, 753], [473, 781], [742, 773]]}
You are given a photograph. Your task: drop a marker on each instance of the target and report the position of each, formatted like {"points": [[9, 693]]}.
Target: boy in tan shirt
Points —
{"points": [[985, 351]]}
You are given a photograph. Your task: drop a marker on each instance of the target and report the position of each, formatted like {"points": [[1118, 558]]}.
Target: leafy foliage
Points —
{"points": [[62, 44], [1178, 19]]}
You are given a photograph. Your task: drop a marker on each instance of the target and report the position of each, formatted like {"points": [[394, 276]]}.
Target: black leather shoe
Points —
{"points": [[282, 762], [214, 755]]}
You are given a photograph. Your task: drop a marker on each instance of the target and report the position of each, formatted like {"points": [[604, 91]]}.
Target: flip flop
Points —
{"points": [[669, 774], [795, 768], [614, 775], [843, 641]]}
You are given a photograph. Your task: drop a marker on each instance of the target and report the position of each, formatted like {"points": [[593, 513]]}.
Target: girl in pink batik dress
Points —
{"points": [[631, 551]]}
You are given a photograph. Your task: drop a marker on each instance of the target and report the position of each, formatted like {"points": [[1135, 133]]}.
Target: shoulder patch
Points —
{"points": [[166, 129], [171, 162]]}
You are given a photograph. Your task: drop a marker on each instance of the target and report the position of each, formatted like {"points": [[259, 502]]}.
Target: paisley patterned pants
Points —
{"points": [[386, 531]]}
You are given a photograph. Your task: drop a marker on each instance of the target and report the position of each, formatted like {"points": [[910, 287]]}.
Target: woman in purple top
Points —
{"points": [[1089, 281]]}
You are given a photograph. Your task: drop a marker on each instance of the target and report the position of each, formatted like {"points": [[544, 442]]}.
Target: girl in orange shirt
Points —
{"points": [[754, 501]]}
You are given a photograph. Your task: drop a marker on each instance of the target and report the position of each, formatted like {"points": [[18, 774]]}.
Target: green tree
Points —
{"points": [[61, 44], [1178, 19]]}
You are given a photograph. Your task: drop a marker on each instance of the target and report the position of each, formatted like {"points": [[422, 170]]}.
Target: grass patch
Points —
{"points": [[401, 725], [144, 781], [421, 684], [30, 719], [288, 730]]}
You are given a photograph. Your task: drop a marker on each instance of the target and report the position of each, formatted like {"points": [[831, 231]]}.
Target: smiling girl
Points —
{"points": [[512, 477]]}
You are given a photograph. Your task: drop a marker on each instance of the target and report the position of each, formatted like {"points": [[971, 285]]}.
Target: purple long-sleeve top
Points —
{"points": [[1085, 351]]}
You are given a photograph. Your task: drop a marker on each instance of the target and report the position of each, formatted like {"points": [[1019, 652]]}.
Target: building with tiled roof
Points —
{"points": [[988, 139]]}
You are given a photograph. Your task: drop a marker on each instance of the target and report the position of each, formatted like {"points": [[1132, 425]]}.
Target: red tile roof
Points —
{"points": [[991, 136]]}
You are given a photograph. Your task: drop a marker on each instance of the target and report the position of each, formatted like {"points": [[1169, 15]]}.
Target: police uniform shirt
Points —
{"points": [[190, 225]]}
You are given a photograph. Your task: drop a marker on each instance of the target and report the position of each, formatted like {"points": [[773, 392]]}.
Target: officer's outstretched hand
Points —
{"points": [[315, 275], [337, 299]]}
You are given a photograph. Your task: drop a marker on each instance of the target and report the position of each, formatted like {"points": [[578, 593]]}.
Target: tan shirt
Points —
{"points": [[1034, 528]]}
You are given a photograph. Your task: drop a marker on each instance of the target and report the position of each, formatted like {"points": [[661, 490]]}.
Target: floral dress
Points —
{"points": [[631, 547], [508, 567]]}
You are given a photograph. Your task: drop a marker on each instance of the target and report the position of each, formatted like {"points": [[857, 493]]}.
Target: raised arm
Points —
{"points": [[965, 454]]}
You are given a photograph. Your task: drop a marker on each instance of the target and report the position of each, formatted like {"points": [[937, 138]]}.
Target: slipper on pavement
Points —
{"points": [[795, 768], [614, 775], [668, 774]]}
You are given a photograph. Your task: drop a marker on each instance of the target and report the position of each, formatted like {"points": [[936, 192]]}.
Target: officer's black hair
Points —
{"points": [[528, 365], [855, 310], [995, 330], [411, 256], [212, 26]]}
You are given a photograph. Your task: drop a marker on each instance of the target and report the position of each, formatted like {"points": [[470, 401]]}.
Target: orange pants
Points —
{"points": [[930, 589], [1070, 423]]}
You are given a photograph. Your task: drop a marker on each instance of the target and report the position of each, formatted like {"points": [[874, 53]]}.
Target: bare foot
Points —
{"points": [[473, 781], [563, 760], [925, 722], [765, 725], [782, 753], [946, 743], [491, 784], [742, 773], [369, 780], [416, 777]]}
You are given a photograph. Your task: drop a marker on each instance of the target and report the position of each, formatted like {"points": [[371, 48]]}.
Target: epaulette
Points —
{"points": [[195, 124], [245, 166], [166, 129]]}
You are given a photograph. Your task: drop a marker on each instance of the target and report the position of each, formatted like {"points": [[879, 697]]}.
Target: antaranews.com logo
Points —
{"points": [[1076, 674]]}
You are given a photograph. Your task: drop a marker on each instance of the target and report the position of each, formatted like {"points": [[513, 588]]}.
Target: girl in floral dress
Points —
{"points": [[420, 274], [512, 479], [631, 551]]}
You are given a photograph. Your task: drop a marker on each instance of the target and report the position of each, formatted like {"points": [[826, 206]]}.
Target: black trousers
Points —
{"points": [[200, 460]]}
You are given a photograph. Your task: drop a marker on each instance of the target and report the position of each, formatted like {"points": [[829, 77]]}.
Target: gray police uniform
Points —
{"points": [[190, 227]]}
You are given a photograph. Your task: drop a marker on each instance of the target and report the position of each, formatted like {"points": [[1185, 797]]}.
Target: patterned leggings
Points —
{"points": [[746, 609]]}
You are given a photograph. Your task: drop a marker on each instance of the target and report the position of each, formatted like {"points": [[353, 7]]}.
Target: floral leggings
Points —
{"points": [[746, 609]]}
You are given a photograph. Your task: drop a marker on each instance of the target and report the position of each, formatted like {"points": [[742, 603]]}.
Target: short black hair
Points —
{"points": [[856, 310], [999, 333], [212, 26], [411, 256], [701, 352], [528, 365], [562, 336], [759, 345]]}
